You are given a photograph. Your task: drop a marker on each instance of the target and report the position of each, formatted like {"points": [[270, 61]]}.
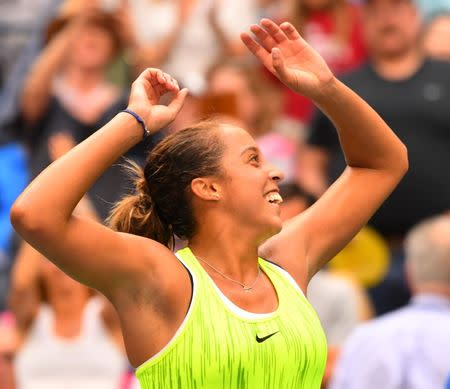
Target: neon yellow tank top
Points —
{"points": [[220, 345]]}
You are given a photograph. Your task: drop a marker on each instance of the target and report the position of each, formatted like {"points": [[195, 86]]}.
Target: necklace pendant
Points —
{"points": [[247, 289]]}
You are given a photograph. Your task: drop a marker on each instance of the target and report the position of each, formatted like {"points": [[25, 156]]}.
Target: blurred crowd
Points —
{"points": [[65, 70]]}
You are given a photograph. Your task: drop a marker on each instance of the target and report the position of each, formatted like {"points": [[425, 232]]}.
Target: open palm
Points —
{"points": [[286, 54]]}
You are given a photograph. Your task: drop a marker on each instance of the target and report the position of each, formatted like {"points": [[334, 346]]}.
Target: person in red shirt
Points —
{"points": [[333, 28]]}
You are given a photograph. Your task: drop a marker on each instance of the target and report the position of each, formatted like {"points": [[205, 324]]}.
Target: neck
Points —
{"points": [[83, 79], [229, 250], [398, 67], [68, 305]]}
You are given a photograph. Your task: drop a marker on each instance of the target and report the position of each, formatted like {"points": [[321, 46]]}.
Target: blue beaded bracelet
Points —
{"points": [[139, 120]]}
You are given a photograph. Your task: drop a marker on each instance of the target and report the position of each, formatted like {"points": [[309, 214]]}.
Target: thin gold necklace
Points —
{"points": [[246, 288]]}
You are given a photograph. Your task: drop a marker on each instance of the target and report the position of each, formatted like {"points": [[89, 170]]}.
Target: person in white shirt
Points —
{"points": [[407, 348], [186, 37]]}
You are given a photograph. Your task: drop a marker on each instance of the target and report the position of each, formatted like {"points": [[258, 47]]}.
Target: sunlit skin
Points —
{"points": [[151, 289], [247, 179]]}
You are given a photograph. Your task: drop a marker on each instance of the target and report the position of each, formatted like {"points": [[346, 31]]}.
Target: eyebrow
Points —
{"points": [[250, 148]]}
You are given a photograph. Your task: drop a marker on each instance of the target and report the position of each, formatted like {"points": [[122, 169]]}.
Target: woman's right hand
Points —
{"points": [[146, 94]]}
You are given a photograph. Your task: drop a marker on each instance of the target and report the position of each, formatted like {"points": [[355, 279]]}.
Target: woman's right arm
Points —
{"points": [[86, 250]]}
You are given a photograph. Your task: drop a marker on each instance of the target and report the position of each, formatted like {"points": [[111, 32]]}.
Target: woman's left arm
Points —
{"points": [[376, 158]]}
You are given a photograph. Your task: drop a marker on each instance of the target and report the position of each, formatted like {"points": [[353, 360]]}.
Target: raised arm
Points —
{"points": [[155, 53], [231, 47], [37, 88], [43, 214], [376, 158]]}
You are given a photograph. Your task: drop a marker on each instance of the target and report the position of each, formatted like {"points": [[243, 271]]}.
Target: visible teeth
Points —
{"points": [[274, 197]]}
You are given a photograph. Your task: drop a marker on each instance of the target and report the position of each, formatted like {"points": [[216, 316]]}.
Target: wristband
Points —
{"points": [[139, 120]]}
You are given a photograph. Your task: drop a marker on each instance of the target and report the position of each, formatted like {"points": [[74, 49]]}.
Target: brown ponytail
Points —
{"points": [[163, 209], [136, 214]]}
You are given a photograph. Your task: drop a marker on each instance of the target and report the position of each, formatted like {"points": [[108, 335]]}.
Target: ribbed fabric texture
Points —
{"points": [[216, 347]]}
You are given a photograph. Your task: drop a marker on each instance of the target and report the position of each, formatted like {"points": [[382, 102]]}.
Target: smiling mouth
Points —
{"points": [[274, 198]]}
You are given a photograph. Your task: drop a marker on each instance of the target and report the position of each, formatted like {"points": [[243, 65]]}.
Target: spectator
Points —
{"points": [[333, 28], [185, 37], [412, 95], [437, 32], [67, 90], [235, 89], [69, 336], [408, 348]]}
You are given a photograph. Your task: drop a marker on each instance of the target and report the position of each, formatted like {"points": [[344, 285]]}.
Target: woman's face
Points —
{"points": [[93, 49], [250, 189]]}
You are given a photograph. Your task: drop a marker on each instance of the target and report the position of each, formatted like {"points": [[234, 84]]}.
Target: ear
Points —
{"points": [[205, 188]]}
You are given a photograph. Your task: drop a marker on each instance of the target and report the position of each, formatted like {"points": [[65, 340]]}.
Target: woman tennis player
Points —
{"points": [[214, 315]]}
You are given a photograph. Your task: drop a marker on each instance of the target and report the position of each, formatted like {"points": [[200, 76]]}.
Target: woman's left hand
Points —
{"points": [[286, 54], [146, 96]]}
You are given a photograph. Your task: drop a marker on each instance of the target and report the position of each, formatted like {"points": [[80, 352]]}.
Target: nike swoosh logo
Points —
{"points": [[260, 340]]}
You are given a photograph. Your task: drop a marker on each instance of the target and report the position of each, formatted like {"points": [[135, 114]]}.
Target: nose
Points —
{"points": [[275, 174]]}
